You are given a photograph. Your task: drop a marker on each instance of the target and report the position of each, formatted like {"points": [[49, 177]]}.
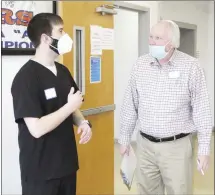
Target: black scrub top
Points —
{"points": [[38, 92]]}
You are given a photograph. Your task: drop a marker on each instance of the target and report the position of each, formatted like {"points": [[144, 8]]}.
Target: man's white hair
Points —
{"points": [[175, 32]]}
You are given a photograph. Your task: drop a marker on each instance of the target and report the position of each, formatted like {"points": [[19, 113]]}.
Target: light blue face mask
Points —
{"points": [[158, 51]]}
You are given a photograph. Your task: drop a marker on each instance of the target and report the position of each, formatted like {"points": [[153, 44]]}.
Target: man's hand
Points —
{"points": [[75, 100], [124, 150], [203, 163], [86, 133]]}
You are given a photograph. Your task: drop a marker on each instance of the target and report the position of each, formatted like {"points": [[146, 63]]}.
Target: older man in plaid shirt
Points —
{"points": [[167, 95]]}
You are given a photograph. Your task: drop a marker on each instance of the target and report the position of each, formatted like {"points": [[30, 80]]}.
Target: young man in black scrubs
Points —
{"points": [[46, 102]]}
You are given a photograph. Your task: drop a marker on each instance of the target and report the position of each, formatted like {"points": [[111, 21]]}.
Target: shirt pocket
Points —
{"points": [[177, 86], [176, 93]]}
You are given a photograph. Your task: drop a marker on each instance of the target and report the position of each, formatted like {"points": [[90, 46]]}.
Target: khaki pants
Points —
{"points": [[164, 166]]}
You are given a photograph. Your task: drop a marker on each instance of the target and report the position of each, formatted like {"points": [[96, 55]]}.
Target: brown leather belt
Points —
{"points": [[166, 139]]}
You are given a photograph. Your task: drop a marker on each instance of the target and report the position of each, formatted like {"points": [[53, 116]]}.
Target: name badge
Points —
{"points": [[174, 74], [50, 93]]}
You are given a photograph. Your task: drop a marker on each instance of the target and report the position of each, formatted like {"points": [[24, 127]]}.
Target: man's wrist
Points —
{"points": [[124, 142], [204, 150], [86, 122]]}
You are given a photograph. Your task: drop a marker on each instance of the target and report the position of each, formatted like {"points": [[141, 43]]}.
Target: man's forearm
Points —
{"points": [[39, 127], [77, 117]]}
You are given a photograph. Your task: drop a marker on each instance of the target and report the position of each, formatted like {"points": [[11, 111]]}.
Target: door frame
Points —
{"points": [[143, 30], [143, 24]]}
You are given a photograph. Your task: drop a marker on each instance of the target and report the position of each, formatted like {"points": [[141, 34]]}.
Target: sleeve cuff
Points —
{"points": [[204, 150], [123, 142]]}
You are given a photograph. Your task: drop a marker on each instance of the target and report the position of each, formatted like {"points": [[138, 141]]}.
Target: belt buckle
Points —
{"points": [[160, 139], [174, 137]]}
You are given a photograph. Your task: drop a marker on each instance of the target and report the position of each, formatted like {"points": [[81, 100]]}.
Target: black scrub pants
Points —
{"points": [[61, 186]]}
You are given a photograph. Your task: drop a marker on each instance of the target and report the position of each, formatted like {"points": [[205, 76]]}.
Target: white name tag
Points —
{"points": [[50, 93], [174, 74]]}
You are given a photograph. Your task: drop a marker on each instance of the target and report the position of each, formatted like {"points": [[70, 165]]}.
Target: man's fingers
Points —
{"points": [[84, 133], [78, 92], [79, 130], [72, 90], [124, 150], [200, 165], [203, 163], [85, 139], [127, 151]]}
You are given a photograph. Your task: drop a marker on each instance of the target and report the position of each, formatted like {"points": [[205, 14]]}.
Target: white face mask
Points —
{"points": [[158, 52], [63, 45]]}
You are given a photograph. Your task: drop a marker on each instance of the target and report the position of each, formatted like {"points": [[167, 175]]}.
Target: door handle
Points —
{"points": [[98, 110]]}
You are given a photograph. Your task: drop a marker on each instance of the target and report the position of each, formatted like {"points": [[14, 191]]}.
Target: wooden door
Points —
{"points": [[96, 159]]}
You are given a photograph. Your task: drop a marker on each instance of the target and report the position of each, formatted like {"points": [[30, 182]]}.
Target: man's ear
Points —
{"points": [[45, 39], [169, 47]]}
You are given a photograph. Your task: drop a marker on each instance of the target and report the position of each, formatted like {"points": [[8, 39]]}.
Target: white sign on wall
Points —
{"points": [[15, 18], [101, 39], [10, 175]]}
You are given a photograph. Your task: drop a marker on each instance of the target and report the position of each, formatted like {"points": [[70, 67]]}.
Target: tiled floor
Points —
{"points": [[202, 185]]}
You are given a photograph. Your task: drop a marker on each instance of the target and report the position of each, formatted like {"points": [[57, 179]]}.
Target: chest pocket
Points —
{"points": [[175, 94], [177, 88]]}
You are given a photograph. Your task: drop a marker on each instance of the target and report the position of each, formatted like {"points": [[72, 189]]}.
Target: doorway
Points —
{"points": [[187, 38], [131, 32], [131, 27]]}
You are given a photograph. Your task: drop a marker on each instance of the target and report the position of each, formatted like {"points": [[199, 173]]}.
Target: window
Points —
{"points": [[79, 57]]}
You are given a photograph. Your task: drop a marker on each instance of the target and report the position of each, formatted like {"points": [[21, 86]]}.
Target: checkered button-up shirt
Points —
{"points": [[167, 100]]}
